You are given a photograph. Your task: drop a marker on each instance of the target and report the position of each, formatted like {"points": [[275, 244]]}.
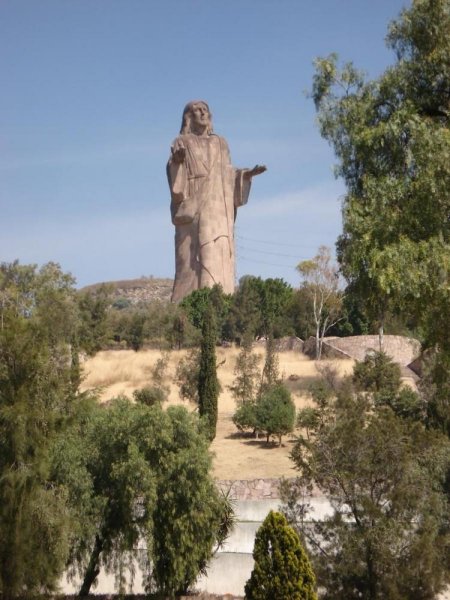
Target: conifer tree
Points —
{"points": [[270, 373], [245, 384], [38, 320], [282, 569], [208, 383]]}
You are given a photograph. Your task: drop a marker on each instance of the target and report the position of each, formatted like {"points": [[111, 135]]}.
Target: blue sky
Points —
{"points": [[92, 96]]}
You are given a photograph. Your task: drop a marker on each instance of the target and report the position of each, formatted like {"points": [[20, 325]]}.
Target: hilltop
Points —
{"points": [[144, 289]]}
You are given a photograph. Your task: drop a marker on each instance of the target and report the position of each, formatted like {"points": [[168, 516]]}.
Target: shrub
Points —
{"points": [[245, 416], [282, 569], [150, 395], [275, 412]]}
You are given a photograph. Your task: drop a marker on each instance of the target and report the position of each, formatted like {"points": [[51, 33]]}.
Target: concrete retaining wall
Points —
{"points": [[250, 489], [231, 567]]}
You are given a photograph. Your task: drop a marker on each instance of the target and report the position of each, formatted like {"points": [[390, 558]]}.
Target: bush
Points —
{"points": [[282, 569], [150, 395], [378, 372], [275, 412], [245, 417]]}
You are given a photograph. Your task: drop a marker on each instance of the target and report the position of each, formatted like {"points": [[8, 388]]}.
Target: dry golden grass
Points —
{"points": [[123, 371]]}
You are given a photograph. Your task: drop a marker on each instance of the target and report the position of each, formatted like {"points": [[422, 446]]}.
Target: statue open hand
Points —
{"points": [[257, 170], [178, 153]]}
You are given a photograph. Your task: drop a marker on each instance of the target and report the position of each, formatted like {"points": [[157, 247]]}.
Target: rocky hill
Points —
{"points": [[145, 289]]}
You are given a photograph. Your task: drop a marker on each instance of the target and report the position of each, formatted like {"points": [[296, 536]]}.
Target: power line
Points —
{"points": [[245, 248], [263, 262], [245, 239]]}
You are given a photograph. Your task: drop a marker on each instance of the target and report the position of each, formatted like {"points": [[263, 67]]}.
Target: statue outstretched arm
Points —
{"points": [[257, 170]]}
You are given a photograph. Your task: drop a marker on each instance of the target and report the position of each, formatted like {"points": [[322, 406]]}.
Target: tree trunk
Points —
{"points": [[381, 336], [318, 344], [93, 568]]}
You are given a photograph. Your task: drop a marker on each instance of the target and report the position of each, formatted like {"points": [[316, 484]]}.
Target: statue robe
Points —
{"points": [[205, 193]]}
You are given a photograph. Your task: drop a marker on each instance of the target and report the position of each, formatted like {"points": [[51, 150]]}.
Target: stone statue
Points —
{"points": [[206, 191]]}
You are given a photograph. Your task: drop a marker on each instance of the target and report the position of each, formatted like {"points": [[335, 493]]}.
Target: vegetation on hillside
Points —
{"points": [[80, 482], [384, 474], [389, 535], [391, 138], [259, 308]]}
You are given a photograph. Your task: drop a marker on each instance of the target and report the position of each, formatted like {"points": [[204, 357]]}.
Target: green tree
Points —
{"points": [[435, 388], [135, 335], [282, 569], [270, 375], [245, 417], [377, 373], [94, 332], [321, 283], [186, 376], [208, 383], [246, 382], [102, 463], [276, 296], [260, 307], [299, 312], [197, 302], [381, 376], [191, 518], [37, 393], [391, 137], [133, 471], [387, 536], [245, 313], [275, 412], [181, 333]]}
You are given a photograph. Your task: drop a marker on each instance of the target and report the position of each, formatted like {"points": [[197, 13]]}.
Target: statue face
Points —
{"points": [[200, 117]]}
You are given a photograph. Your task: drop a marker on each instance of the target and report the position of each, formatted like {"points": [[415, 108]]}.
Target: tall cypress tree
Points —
{"points": [[208, 384]]}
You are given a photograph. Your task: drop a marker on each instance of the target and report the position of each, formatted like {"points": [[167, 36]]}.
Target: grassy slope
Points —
{"points": [[236, 457]]}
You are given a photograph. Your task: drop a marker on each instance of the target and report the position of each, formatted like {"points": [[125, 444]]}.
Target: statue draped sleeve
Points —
{"points": [[239, 184], [187, 180]]}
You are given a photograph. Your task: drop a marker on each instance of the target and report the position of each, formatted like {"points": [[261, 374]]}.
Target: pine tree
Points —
{"points": [[245, 384], [208, 383], [271, 373], [282, 569]]}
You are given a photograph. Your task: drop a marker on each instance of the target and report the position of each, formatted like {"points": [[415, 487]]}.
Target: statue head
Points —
{"points": [[186, 123]]}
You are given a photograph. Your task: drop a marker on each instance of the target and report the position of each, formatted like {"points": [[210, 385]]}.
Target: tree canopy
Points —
{"points": [[384, 476], [38, 388], [392, 139]]}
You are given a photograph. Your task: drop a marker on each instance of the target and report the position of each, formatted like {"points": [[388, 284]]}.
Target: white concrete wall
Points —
{"points": [[232, 565]]}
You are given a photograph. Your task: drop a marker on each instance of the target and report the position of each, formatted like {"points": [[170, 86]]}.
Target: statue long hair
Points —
{"points": [[187, 114]]}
